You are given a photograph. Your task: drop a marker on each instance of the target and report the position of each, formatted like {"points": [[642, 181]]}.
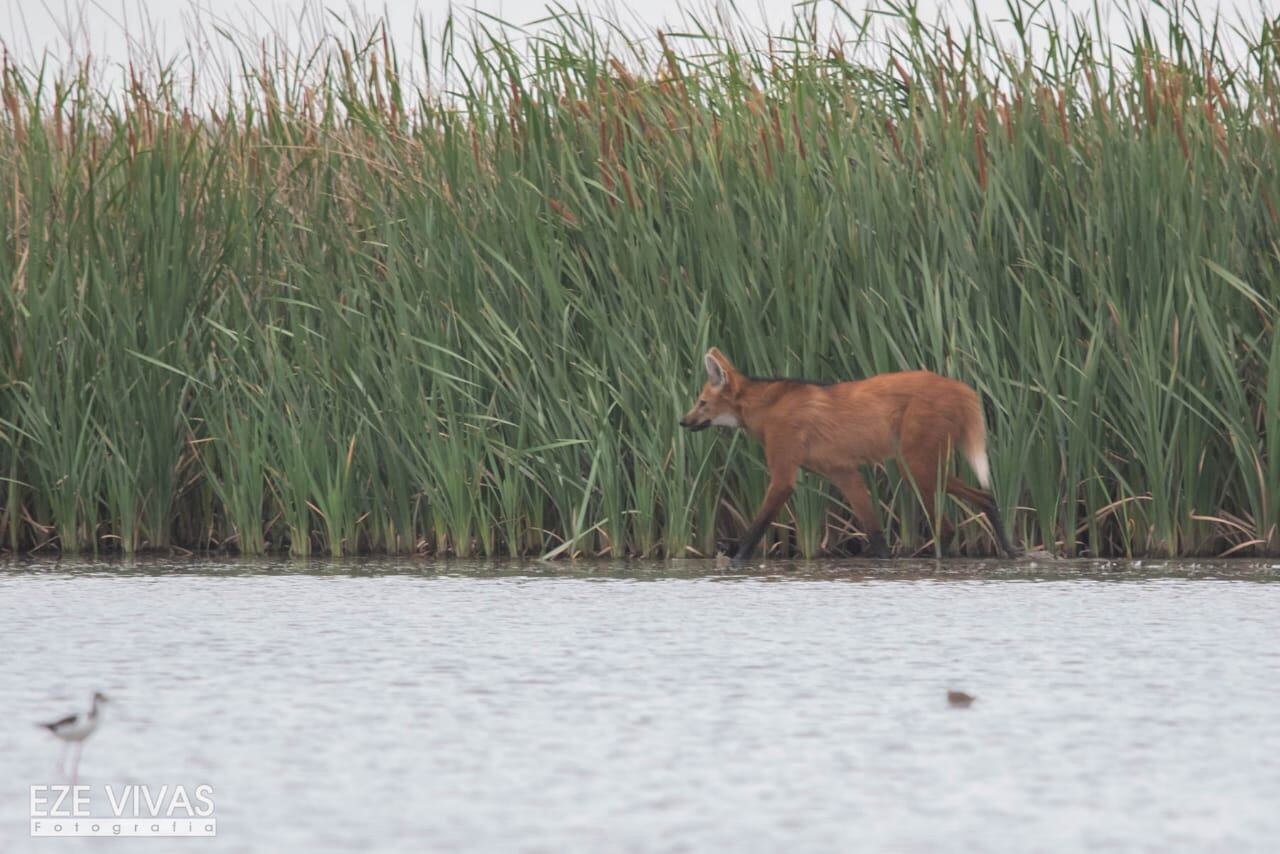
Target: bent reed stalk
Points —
{"points": [[333, 311]]}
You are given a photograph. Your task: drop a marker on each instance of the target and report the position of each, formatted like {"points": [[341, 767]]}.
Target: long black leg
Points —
{"points": [[773, 500]]}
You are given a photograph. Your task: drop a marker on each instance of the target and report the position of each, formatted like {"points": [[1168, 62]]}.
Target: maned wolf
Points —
{"points": [[915, 417]]}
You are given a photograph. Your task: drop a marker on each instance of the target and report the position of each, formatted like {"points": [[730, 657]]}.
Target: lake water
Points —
{"points": [[449, 706]]}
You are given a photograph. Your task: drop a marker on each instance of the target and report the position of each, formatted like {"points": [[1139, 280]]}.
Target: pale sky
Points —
{"points": [[29, 27]]}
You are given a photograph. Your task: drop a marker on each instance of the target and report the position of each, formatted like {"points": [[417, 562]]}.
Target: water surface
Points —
{"points": [[411, 705]]}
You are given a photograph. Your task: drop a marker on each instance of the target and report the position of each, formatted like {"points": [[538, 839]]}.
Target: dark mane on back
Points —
{"points": [[792, 380]]}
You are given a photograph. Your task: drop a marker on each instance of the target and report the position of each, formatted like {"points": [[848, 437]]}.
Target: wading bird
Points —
{"points": [[74, 729]]}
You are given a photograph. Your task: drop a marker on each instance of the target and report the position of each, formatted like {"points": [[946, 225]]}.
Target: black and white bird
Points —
{"points": [[74, 729]]}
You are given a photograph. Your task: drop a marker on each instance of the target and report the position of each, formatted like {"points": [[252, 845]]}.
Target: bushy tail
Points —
{"points": [[975, 453], [975, 445]]}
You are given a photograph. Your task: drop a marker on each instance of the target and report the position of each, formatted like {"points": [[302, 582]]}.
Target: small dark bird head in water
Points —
{"points": [[959, 699]]}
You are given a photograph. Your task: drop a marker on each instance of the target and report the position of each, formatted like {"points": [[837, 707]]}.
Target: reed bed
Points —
{"points": [[340, 309]]}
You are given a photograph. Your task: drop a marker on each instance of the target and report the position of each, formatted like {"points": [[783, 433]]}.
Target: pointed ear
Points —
{"points": [[719, 368]]}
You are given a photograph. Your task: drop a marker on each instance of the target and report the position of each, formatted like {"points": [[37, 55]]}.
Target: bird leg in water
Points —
{"points": [[75, 765]]}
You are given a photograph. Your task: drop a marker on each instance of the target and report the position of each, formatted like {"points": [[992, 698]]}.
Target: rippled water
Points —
{"points": [[659, 706]]}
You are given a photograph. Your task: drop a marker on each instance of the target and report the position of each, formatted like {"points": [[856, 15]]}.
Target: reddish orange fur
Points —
{"points": [[916, 417]]}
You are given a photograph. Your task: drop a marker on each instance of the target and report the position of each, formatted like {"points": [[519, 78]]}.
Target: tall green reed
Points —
{"points": [[335, 310]]}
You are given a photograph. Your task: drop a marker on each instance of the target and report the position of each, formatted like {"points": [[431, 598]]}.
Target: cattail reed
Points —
{"points": [[336, 310]]}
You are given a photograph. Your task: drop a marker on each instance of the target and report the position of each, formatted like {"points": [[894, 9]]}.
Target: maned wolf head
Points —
{"points": [[717, 403]]}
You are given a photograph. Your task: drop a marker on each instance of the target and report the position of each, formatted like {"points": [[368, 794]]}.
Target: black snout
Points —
{"points": [[694, 427]]}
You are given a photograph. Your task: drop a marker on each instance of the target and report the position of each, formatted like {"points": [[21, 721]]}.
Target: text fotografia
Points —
{"points": [[122, 810]]}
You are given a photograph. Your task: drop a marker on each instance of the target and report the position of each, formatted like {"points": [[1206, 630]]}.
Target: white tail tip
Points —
{"points": [[978, 462]]}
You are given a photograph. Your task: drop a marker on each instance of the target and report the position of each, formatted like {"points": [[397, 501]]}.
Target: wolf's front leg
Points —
{"points": [[782, 482]]}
